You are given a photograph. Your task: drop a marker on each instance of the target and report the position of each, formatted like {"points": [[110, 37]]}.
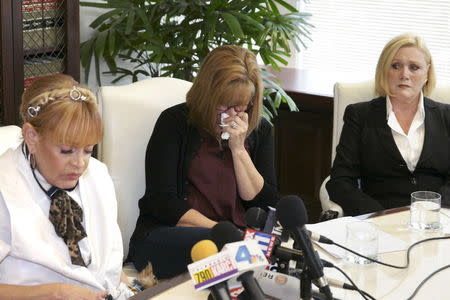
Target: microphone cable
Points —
{"points": [[425, 280], [353, 286], [390, 265]]}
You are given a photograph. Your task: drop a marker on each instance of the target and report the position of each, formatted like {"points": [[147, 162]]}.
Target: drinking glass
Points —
{"points": [[362, 237], [425, 207]]}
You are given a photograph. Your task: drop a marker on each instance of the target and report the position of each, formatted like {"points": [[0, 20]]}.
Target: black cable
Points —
{"points": [[425, 280], [407, 253], [363, 294]]}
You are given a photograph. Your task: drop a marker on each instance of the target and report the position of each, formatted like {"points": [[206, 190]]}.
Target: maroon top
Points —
{"points": [[212, 183]]}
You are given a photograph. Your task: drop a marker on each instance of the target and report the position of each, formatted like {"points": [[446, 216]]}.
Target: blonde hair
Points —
{"points": [[387, 56], [226, 71], [60, 117]]}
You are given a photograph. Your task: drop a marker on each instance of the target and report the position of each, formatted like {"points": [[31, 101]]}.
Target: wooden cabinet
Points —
{"points": [[38, 37], [303, 139]]}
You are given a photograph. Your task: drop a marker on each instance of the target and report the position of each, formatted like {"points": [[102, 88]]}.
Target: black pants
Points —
{"points": [[168, 249]]}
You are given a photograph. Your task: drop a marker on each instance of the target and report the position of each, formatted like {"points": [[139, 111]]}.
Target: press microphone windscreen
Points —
{"points": [[225, 232], [291, 212], [203, 249], [255, 218]]}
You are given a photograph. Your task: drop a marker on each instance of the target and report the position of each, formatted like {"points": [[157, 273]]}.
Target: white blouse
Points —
{"points": [[410, 145]]}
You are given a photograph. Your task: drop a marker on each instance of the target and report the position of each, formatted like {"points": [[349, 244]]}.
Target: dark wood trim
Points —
{"points": [[17, 59], [7, 91], [73, 38]]}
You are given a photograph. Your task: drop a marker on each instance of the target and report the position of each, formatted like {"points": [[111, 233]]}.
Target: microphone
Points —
{"points": [[224, 232], [270, 243], [247, 254], [319, 238], [291, 213], [211, 269], [271, 221], [278, 285], [255, 218]]}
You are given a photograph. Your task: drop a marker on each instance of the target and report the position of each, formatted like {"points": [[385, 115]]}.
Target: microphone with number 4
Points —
{"points": [[247, 254]]}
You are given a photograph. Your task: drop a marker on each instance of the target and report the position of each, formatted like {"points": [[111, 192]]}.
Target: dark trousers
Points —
{"points": [[168, 249]]}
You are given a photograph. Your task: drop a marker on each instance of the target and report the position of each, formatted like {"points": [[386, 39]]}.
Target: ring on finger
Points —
{"points": [[234, 125]]}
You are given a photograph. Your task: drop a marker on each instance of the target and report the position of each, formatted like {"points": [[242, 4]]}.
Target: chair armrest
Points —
{"points": [[325, 201]]}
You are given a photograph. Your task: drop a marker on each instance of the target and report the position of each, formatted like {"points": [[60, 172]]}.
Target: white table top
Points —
{"points": [[381, 282], [388, 283]]}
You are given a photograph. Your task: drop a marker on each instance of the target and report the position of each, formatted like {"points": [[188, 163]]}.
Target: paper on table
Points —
{"points": [[335, 230]]}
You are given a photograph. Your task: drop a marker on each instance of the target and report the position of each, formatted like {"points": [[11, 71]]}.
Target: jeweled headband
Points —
{"points": [[74, 94]]}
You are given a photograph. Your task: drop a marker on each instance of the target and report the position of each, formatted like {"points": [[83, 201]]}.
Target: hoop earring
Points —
{"points": [[32, 160]]}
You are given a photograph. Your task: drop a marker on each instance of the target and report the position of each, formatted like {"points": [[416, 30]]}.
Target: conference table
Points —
{"points": [[379, 281]]}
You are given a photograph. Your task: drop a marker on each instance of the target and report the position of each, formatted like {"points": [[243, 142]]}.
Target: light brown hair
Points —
{"points": [[226, 71], [59, 117], [387, 56]]}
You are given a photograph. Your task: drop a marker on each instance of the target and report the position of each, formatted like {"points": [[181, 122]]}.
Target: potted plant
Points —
{"points": [[171, 37]]}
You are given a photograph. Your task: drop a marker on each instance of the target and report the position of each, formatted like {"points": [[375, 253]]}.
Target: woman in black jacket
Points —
{"points": [[208, 160], [398, 143]]}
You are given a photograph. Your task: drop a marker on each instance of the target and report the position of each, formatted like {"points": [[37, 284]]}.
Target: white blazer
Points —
{"points": [[33, 253]]}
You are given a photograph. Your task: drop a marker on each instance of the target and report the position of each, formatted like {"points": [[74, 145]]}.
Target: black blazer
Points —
{"points": [[170, 151], [370, 174]]}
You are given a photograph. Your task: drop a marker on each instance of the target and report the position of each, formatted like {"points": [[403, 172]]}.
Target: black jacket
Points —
{"points": [[169, 154], [370, 174]]}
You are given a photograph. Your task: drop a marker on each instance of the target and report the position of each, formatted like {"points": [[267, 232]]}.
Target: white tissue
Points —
{"points": [[225, 135]]}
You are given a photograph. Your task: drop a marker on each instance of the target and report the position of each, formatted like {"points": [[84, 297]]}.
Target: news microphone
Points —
{"points": [[211, 269], [255, 218], [271, 221], [292, 215], [247, 254], [224, 232], [278, 285], [319, 238]]}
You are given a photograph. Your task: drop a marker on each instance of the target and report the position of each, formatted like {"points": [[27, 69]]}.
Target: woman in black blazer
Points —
{"points": [[398, 143]]}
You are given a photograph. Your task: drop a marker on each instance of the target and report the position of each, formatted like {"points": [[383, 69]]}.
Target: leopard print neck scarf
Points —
{"points": [[67, 217]]}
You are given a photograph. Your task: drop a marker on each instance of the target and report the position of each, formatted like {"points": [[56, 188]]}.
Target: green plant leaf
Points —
{"points": [[273, 6], [233, 24], [100, 43], [130, 22], [102, 18], [111, 64], [249, 20], [266, 114], [211, 23], [111, 42], [86, 52], [97, 69], [285, 5], [95, 4]]}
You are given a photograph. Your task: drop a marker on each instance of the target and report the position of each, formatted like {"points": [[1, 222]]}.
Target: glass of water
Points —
{"points": [[362, 237], [425, 207]]}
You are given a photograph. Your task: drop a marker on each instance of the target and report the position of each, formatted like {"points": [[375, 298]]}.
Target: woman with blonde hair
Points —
{"points": [[208, 160], [397, 143], [59, 238]]}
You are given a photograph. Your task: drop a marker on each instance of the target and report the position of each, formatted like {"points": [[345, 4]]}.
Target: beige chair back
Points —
{"points": [[10, 137], [129, 114]]}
